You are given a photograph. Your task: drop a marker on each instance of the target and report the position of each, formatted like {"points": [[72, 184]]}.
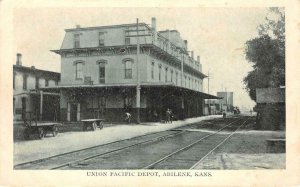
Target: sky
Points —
{"points": [[217, 35]]}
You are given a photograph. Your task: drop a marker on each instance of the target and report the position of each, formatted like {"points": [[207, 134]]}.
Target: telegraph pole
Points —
{"points": [[209, 108], [226, 99], [138, 86]]}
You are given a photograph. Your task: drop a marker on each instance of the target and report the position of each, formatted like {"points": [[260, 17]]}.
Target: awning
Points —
{"points": [[158, 85]]}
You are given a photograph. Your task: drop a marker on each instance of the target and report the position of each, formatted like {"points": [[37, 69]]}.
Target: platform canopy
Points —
{"points": [[165, 87]]}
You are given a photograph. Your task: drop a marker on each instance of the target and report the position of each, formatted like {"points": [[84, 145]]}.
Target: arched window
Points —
{"points": [[128, 68], [159, 72], [79, 70], [152, 70], [166, 75], [101, 64]]}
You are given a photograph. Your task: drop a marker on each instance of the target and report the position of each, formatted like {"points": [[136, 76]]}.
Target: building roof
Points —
{"points": [[107, 27], [35, 71]]}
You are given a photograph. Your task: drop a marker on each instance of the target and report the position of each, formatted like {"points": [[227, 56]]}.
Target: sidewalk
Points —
{"points": [[25, 151]]}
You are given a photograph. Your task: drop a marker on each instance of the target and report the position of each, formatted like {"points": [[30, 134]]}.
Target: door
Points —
{"points": [[73, 111]]}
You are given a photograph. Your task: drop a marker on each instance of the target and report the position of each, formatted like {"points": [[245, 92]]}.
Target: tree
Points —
{"points": [[267, 54]]}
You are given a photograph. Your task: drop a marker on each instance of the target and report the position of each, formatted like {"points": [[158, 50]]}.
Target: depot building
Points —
{"points": [[109, 70]]}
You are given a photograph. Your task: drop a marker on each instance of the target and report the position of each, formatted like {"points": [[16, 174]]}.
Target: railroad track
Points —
{"points": [[139, 156], [65, 160], [183, 158]]}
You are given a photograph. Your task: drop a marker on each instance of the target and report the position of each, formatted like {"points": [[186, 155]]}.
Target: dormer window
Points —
{"points": [[46, 83], [101, 38], [37, 84], [127, 37], [76, 40]]}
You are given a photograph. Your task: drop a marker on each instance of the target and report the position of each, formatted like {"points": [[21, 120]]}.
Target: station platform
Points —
{"points": [[25, 151]]}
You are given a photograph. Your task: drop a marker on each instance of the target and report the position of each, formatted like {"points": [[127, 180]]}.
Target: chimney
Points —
{"points": [[19, 59], [32, 67], [77, 26], [169, 42], [200, 66], [192, 54], [185, 43], [153, 25]]}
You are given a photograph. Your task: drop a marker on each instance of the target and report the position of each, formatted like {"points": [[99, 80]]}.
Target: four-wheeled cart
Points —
{"points": [[92, 123], [39, 128]]}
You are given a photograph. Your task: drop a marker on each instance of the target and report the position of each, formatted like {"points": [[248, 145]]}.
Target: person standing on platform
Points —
{"points": [[168, 114], [171, 116], [127, 117]]}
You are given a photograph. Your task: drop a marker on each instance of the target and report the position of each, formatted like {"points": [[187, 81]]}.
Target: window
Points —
{"points": [[101, 38], [56, 83], [127, 41], [46, 83], [127, 38], [176, 77], [101, 102], [189, 82], [159, 72], [14, 80], [166, 75], [25, 82], [127, 102], [152, 70], [76, 40], [102, 72], [185, 81], [14, 104], [171, 75], [79, 70], [128, 69], [37, 85]]}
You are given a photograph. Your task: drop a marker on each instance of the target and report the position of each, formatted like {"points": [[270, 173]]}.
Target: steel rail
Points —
{"points": [[123, 148], [37, 161], [40, 161], [217, 146], [79, 150], [150, 166], [116, 150]]}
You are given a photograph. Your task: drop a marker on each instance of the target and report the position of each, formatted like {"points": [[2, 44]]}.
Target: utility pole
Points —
{"points": [[226, 99], [138, 86], [209, 109]]}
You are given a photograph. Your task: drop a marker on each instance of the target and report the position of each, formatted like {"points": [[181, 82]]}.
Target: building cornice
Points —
{"points": [[149, 49], [38, 72], [106, 27]]}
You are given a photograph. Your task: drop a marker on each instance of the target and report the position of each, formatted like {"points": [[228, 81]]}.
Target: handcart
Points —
{"points": [[39, 128], [92, 124]]}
